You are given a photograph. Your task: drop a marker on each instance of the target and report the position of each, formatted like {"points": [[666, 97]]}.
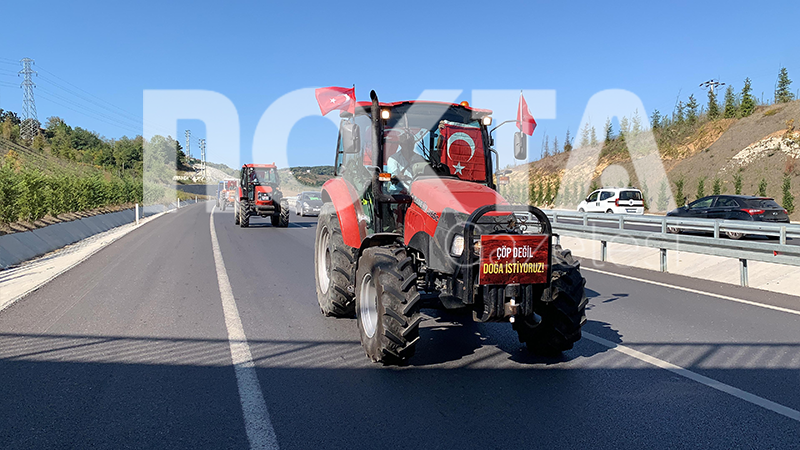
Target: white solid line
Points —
{"points": [[710, 382], [695, 291], [259, 429]]}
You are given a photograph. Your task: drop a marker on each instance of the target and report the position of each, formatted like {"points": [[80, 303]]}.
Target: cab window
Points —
{"points": [[605, 195], [593, 196]]}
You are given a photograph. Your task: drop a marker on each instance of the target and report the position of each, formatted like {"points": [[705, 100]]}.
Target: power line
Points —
{"points": [[90, 112], [107, 122]]}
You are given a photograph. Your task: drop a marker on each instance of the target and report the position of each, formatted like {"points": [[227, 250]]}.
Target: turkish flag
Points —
{"points": [[333, 98], [525, 121]]}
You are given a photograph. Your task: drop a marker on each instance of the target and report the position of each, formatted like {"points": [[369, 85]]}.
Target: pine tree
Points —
{"points": [[584, 142], [546, 151], [788, 198], [636, 123], [748, 105], [679, 195], [701, 187], [609, 131], [782, 92], [532, 193], [691, 110], [731, 109], [762, 187], [717, 188], [556, 150], [548, 193], [593, 137], [713, 107], [655, 119], [567, 142], [624, 127], [663, 201], [678, 114], [737, 183]]}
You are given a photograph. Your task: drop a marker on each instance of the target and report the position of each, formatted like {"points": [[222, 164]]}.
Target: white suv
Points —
{"points": [[614, 200]]}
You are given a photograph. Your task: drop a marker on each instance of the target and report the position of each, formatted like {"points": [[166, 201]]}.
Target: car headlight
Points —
{"points": [[263, 196], [457, 248]]}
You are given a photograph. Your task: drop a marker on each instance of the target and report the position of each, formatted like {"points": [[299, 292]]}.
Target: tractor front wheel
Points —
{"points": [[282, 218], [561, 310], [244, 215], [334, 266], [236, 214], [387, 304]]}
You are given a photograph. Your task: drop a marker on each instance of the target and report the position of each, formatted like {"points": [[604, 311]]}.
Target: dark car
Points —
{"points": [[308, 203], [732, 207]]}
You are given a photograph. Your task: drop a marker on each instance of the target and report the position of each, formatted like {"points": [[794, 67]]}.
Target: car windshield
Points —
{"points": [[630, 195]]}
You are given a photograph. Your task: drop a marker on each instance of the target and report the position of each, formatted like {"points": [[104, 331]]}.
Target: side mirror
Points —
{"points": [[520, 145], [351, 137]]}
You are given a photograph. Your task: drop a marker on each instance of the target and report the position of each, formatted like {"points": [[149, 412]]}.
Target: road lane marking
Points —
{"points": [[695, 291], [704, 380], [259, 429]]}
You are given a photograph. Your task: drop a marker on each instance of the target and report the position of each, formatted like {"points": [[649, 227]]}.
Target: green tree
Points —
{"points": [[737, 183], [556, 149], [584, 142], [567, 143], [663, 199], [609, 130], [593, 137], [788, 198], [655, 119], [717, 188], [731, 109], [701, 187], [762, 187], [680, 196], [783, 93], [677, 115], [748, 105], [691, 110], [713, 107], [548, 193]]}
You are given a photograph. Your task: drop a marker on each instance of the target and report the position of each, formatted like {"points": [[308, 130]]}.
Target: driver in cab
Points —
{"points": [[401, 164]]}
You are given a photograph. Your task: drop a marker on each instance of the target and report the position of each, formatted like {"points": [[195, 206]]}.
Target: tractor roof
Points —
{"points": [[364, 107]]}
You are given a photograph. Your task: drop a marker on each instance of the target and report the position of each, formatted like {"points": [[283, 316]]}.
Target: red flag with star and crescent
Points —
{"points": [[333, 98], [525, 121]]}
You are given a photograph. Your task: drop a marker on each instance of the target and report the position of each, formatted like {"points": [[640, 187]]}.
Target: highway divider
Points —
{"points": [[708, 236]]}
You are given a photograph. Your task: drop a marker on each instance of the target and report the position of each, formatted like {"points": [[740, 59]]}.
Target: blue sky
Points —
{"points": [[255, 52]]}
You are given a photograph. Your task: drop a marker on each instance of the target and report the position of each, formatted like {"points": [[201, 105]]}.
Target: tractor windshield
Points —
{"points": [[264, 176]]}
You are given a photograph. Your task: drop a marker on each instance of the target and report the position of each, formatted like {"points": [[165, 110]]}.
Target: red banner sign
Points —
{"points": [[509, 259]]}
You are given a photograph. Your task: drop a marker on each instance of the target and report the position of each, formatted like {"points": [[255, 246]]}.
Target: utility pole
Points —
{"points": [[188, 149], [711, 85], [29, 127], [203, 157]]}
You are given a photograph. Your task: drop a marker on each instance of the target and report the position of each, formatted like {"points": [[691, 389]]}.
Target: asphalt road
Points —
{"points": [[130, 350]]}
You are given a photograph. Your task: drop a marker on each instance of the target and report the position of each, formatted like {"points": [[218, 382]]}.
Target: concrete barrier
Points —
{"points": [[16, 248]]}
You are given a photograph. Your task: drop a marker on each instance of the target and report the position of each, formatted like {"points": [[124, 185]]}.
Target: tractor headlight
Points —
{"points": [[263, 196], [458, 245]]}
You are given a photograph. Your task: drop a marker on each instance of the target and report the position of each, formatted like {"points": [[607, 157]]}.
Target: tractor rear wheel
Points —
{"points": [[387, 304], [236, 213], [244, 216], [562, 309], [334, 267], [224, 204]]}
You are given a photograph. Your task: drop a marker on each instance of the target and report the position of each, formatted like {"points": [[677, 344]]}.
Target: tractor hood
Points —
{"points": [[463, 196]]}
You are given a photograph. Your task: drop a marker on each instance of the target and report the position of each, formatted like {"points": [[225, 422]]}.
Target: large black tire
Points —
{"points": [[387, 304], [334, 267], [236, 214], [244, 216], [282, 218], [562, 309]]}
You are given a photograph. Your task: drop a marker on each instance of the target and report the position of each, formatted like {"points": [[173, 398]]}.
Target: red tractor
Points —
{"points": [[413, 219], [260, 195]]}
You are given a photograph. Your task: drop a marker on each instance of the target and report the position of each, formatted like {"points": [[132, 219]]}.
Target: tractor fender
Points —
{"points": [[345, 200]]}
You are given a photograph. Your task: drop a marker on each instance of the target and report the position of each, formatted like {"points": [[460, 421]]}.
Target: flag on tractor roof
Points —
{"points": [[333, 98]]}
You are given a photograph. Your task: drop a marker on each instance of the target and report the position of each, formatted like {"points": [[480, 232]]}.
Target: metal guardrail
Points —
{"points": [[627, 229]]}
